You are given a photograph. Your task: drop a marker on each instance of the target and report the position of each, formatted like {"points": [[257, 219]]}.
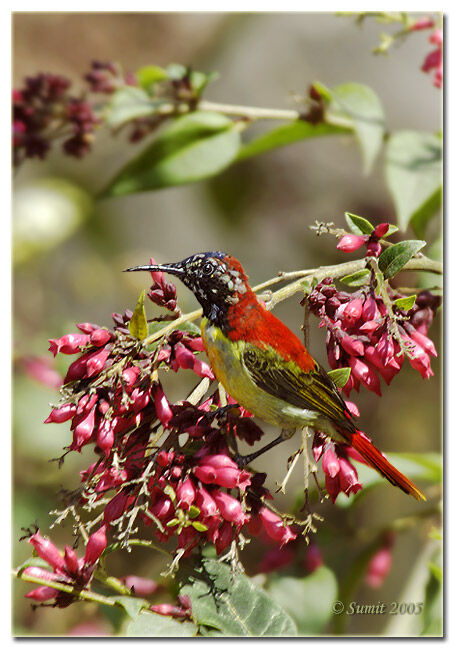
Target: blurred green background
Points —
{"points": [[69, 250]]}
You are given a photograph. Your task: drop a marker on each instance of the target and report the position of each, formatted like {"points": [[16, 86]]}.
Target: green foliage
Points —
{"points": [[358, 278], [288, 134], [192, 148], [130, 103], [393, 259], [151, 624], [405, 303], [358, 224], [340, 376], [358, 104], [232, 605], [131, 604], [148, 75], [309, 600], [138, 326], [413, 170]]}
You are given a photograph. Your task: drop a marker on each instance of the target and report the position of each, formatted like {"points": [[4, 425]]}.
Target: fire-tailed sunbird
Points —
{"points": [[264, 366]]}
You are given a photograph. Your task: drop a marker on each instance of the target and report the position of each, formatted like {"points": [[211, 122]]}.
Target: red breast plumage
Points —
{"points": [[265, 366]]}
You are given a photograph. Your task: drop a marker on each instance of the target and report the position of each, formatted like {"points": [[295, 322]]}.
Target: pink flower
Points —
{"points": [[71, 343], [140, 586], [229, 508], [100, 337], [274, 526], [46, 550], [313, 558], [95, 546], [276, 558], [380, 564], [41, 370], [351, 242], [423, 23], [434, 60], [163, 410], [61, 414], [185, 493]]}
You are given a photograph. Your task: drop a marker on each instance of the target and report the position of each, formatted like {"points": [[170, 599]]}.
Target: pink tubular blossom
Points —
{"points": [[100, 337], [276, 558], [61, 414], [229, 508], [140, 586], [96, 545], [330, 463], [96, 362], [424, 342], [205, 502], [313, 558], [351, 242], [365, 375], [185, 492], [41, 370], [42, 594], [348, 477], [163, 410], [274, 526], [380, 564], [46, 550], [83, 430], [423, 23], [71, 343]]}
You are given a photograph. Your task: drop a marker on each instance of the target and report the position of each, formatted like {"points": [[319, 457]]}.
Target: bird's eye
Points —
{"points": [[207, 268]]}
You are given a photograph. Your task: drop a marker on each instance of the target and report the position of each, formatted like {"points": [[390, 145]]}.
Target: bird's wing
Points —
{"points": [[284, 379]]}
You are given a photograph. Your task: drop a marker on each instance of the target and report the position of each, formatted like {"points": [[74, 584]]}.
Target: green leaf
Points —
{"points": [[198, 526], [230, 603], [392, 230], [131, 604], [288, 134], [359, 104], [193, 512], [340, 376], [413, 169], [150, 74], [309, 600], [427, 467], [432, 613], [358, 224], [393, 259], [138, 326], [151, 624], [358, 278], [130, 103], [193, 147], [405, 303]]}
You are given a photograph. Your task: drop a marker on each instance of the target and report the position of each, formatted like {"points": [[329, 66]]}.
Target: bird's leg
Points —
{"points": [[246, 459]]}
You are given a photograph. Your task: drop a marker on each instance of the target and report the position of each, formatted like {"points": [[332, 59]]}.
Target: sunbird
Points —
{"points": [[264, 366]]}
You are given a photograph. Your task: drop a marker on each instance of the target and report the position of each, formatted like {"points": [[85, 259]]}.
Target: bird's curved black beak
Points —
{"points": [[171, 268]]}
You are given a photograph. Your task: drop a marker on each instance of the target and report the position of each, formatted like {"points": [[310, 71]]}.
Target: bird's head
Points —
{"points": [[217, 280]]}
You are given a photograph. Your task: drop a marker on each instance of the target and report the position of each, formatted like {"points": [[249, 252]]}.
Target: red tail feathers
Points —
{"points": [[378, 461]]}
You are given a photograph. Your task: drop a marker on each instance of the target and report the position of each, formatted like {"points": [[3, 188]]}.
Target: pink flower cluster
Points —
{"points": [[106, 77], [352, 242], [163, 292], [433, 60], [67, 569], [359, 334], [43, 105], [340, 474]]}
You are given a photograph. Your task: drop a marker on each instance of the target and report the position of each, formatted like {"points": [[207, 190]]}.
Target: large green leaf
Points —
{"points": [[309, 600], [130, 103], [360, 105], [288, 134], [232, 604], [150, 624], [193, 147], [395, 257], [414, 177], [427, 467]]}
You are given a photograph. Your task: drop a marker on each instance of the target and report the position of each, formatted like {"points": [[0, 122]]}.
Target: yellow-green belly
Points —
{"points": [[226, 361]]}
